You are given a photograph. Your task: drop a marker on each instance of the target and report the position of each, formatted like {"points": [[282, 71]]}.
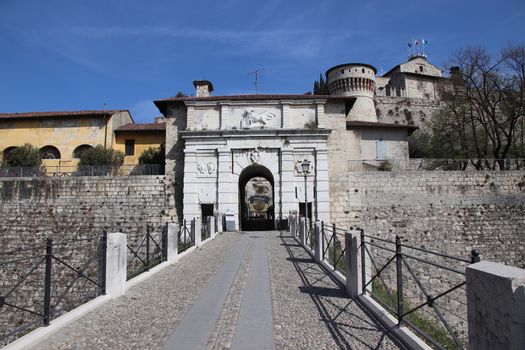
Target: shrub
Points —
{"points": [[101, 156], [23, 156], [154, 155]]}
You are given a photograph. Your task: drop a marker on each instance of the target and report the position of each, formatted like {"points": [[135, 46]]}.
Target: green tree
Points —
{"points": [[155, 156], [99, 155], [26, 155], [320, 87]]}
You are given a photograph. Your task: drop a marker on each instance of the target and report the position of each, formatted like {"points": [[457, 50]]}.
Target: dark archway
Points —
{"points": [[256, 207]]}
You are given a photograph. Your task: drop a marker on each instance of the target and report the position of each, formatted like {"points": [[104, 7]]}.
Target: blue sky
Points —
{"points": [[80, 54]]}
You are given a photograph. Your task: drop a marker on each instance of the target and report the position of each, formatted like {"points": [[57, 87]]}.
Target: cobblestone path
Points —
{"points": [[248, 290]]}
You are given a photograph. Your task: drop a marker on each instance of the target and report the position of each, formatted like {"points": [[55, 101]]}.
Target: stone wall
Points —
{"points": [[404, 110], [444, 211], [35, 208]]}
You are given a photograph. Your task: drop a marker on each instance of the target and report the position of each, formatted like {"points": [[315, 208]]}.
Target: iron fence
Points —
{"points": [[42, 282], [423, 289], [146, 251], [429, 164], [186, 238], [84, 170], [332, 249], [205, 228]]}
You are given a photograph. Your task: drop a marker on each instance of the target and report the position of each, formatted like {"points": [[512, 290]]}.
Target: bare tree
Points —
{"points": [[484, 103]]}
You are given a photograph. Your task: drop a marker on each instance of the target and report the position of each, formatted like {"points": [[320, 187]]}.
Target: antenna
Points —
{"points": [[256, 83]]}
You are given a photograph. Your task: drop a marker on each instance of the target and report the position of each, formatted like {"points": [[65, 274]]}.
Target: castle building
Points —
{"points": [[215, 145]]}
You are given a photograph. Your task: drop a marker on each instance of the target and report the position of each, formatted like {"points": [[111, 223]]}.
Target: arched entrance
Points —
{"points": [[256, 199]]}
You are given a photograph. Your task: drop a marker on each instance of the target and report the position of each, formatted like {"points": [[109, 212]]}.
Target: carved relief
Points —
{"points": [[252, 120], [254, 156], [206, 166], [298, 168]]}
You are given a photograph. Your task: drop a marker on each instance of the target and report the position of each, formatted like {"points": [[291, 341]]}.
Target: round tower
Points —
{"points": [[355, 80]]}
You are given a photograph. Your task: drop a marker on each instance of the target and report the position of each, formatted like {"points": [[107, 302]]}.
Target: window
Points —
{"points": [[130, 147], [49, 152], [77, 153], [7, 151], [381, 149], [362, 70], [421, 68]]}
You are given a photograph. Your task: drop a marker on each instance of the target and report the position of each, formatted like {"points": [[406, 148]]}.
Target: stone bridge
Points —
{"points": [[243, 290]]}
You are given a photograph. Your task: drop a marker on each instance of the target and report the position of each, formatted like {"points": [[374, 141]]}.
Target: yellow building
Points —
{"points": [[133, 139]]}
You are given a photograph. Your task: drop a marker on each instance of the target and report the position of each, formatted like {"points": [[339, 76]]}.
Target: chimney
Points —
{"points": [[203, 88]]}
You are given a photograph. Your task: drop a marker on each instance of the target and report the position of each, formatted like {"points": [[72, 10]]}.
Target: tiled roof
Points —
{"points": [[142, 127], [87, 113], [249, 97]]}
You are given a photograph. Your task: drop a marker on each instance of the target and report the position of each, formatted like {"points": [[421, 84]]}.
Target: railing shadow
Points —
{"points": [[328, 299]]}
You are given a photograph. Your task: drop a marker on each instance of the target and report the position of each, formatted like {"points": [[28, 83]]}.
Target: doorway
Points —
{"points": [[256, 199]]}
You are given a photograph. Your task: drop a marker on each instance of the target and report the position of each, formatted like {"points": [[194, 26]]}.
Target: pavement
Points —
{"points": [[243, 290]]}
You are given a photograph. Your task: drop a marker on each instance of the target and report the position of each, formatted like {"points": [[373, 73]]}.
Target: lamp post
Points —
{"points": [[305, 167]]}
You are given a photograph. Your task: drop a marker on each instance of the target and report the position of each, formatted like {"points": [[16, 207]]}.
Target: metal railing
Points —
{"points": [[205, 228], [423, 289], [146, 251], [84, 170], [435, 164], [42, 282], [333, 250], [186, 235]]}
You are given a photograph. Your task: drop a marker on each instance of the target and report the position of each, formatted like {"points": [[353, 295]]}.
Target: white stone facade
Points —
{"points": [[214, 144]]}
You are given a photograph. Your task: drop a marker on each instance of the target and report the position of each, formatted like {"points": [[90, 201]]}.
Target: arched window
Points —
{"points": [[6, 152], [49, 152], [77, 153]]}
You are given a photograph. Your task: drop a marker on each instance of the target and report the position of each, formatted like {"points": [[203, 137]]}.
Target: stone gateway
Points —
{"points": [[216, 144]]}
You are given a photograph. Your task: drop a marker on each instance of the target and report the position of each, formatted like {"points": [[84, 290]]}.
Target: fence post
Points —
{"points": [[318, 244], [198, 228], [363, 261], [399, 270], [495, 306], [101, 266], [116, 264], [147, 247], [334, 248], [352, 259], [172, 242], [47, 281]]}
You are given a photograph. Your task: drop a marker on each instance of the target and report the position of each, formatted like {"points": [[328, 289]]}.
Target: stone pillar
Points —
{"points": [[190, 118], [322, 186], [289, 202], [225, 117], [286, 116], [227, 187], [320, 116], [173, 242], [496, 306], [302, 233], [353, 265], [116, 264], [191, 189], [197, 227], [211, 225]]}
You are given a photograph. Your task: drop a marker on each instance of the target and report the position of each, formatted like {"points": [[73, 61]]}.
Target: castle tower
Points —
{"points": [[355, 80]]}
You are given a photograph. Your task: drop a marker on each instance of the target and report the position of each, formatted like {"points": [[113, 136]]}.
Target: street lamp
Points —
{"points": [[305, 167]]}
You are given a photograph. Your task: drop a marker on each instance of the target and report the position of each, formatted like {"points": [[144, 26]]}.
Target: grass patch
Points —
{"points": [[431, 327]]}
